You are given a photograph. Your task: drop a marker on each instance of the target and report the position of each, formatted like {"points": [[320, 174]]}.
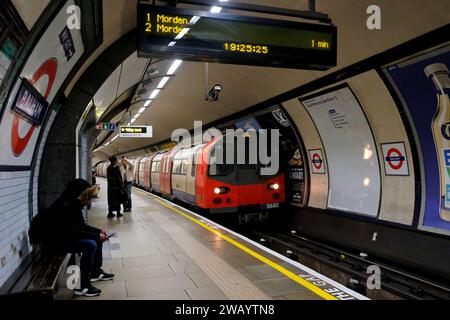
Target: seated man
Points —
{"points": [[66, 231]]}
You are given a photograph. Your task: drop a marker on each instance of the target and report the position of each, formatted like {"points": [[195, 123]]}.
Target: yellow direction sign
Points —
{"points": [[136, 132]]}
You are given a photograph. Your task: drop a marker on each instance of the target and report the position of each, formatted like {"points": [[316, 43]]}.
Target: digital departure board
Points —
{"points": [[225, 38]]}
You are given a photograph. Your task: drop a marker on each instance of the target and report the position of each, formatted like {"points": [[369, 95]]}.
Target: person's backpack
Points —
{"points": [[37, 232]]}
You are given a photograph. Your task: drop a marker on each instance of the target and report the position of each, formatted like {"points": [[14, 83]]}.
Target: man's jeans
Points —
{"points": [[128, 188], [91, 258]]}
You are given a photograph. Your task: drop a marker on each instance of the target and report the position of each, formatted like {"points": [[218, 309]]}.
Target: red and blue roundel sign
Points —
{"points": [[317, 163], [395, 160]]}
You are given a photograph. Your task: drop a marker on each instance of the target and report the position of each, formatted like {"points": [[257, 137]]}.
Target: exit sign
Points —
{"points": [[136, 132]]}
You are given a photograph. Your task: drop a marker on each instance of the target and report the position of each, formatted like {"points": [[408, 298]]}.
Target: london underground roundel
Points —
{"points": [[49, 68]]}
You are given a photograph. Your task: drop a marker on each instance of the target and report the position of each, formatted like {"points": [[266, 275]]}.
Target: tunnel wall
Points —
{"points": [[48, 67], [49, 59]]}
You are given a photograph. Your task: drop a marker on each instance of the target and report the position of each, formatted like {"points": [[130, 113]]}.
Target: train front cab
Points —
{"points": [[225, 188]]}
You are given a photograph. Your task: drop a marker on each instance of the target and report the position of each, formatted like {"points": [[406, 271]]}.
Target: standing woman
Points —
{"points": [[115, 187]]}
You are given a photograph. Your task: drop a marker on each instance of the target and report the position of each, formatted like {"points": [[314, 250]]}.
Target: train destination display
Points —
{"points": [[225, 38]]}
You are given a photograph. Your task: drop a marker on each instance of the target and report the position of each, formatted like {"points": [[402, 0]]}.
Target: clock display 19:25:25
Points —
{"points": [[248, 48]]}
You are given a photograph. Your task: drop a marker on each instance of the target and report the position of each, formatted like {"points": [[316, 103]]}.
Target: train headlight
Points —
{"points": [[273, 186], [221, 190]]}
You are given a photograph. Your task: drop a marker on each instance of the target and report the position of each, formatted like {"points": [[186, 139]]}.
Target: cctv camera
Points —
{"points": [[214, 93]]}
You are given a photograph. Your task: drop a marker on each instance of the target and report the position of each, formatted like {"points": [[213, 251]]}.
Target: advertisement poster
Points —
{"points": [[46, 69], [427, 103], [296, 178], [349, 148]]}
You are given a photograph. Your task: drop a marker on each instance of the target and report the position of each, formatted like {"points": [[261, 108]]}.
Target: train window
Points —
{"points": [[176, 168], [158, 166], [184, 166], [141, 166], [221, 169], [193, 165]]}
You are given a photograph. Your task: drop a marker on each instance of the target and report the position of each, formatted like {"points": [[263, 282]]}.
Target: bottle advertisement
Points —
{"points": [[423, 83]]}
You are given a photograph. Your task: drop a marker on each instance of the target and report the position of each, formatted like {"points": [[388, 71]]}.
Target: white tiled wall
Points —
{"points": [[14, 212], [14, 221]]}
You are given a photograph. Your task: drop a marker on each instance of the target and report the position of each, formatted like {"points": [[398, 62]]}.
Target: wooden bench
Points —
{"points": [[41, 276]]}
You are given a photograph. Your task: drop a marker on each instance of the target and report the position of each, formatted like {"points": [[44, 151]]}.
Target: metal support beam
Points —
{"points": [[309, 14]]}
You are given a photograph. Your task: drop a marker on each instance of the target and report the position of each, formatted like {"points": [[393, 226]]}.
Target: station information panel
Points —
{"points": [[170, 32]]}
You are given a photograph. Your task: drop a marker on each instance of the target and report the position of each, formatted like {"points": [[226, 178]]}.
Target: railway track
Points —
{"points": [[349, 268]]}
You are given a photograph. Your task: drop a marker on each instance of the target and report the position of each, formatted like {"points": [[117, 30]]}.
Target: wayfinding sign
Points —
{"points": [[136, 132]]}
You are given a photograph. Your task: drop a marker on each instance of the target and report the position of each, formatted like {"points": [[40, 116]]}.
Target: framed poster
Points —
{"points": [[351, 154], [426, 101]]}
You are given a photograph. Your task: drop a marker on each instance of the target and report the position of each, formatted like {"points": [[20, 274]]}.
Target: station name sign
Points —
{"points": [[169, 32], [30, 104], [136, 132]]}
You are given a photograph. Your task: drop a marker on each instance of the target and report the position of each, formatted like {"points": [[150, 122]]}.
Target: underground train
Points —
{"points": [[183, 174]]}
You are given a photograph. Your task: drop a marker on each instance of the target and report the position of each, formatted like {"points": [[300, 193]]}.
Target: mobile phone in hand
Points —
{"points": [[111, 234]]}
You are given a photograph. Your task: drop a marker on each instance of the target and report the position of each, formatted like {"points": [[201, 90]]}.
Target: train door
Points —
{"points": [[141, 172], [156, 173], [192, 172], [147, 168], [190, 177]]}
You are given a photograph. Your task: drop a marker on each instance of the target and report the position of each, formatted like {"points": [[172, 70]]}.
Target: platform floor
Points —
{"points": [[163, 251]]}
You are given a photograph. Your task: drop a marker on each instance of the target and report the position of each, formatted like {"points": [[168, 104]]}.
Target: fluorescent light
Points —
{"points": [[114, 138], [216, 9], [172, 43], [163, 82], [133, 121], [223, 0], [174, 67], [194, 20], [147, 103], [154, 94], [182, 33], [141, 110]]}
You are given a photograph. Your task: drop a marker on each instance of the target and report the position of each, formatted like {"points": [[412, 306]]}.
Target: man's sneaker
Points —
{"points": [[102, 276], [88, 292], [111, 215], [119, 215]]}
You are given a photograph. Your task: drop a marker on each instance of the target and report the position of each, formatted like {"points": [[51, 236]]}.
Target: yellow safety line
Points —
{"points": [[256, 255]]}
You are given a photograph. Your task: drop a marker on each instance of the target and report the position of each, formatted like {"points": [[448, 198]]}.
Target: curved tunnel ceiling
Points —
{"points": [[182, 100]]}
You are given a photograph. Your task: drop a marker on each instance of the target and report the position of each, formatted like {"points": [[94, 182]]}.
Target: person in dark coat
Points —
{"points": [[66, 231], [115, 188]]}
